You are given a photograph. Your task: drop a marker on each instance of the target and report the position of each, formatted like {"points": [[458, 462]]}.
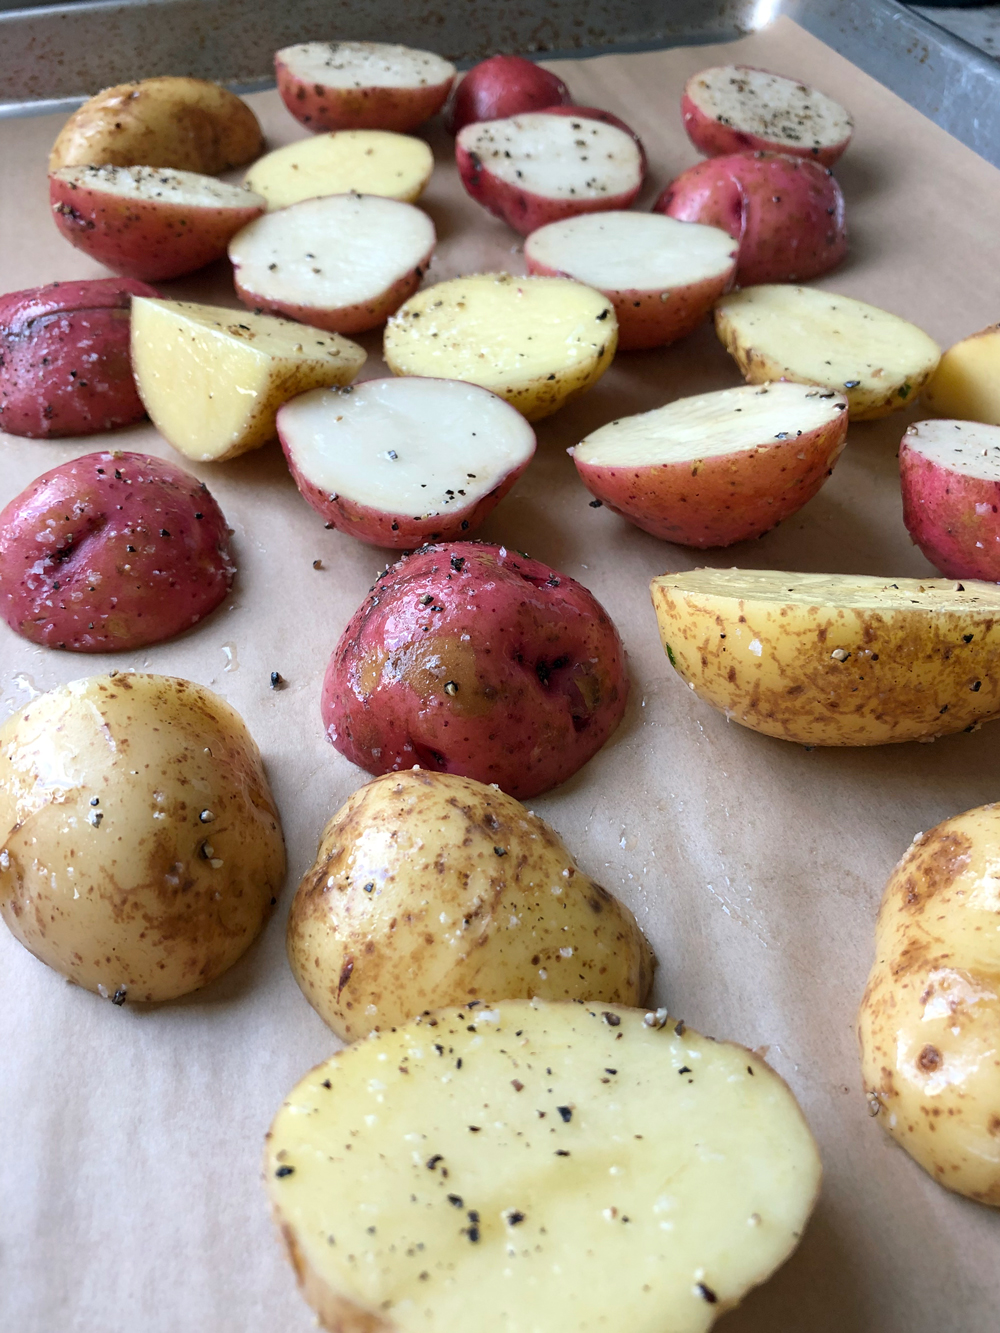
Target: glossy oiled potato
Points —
{"points": [[140, 848], [430, 889], [930, 1019]]}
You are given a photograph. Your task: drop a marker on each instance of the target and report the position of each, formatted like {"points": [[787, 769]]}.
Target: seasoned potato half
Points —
{"points": [[777, 332], [949, 472], [967, 382], [431, 889], [395, 166], [829, 659], [930, 1018], [538, 342], [538, 1166]]}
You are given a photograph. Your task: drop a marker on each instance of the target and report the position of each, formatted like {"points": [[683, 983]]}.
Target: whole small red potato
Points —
{"points": [[468, 658], [65, 365], [786, 212], [950, 476], [502, 86], [112, 551]]}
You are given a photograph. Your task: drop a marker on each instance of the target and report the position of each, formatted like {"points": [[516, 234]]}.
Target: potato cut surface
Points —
{"points": [[801, 333], [533, 1168], [559, 157], [161, 185], [396, 166], [352, 65], [967, 382], [535, 341], [768, 106], [969, 448]]}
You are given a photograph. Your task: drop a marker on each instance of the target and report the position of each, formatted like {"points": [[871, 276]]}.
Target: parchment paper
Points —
{"points": [[131, 1192]]}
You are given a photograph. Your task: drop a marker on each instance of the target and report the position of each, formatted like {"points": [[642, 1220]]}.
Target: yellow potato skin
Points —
{"points": [[140, 847], [966, 384], [431, 889], [929, 1025], [187, 124], [900, 673]]}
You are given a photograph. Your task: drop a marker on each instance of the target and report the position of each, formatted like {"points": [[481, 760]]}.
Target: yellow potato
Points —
{"points": [[396, 166], [430, 889], [538, 342], [966, 384], [212, 379], [929, 1025], [187, 124], [826, 659], [781, 332], [140, 848]]}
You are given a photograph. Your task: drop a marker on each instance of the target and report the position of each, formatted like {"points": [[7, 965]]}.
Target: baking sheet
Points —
{"points": [[130, 1177]]}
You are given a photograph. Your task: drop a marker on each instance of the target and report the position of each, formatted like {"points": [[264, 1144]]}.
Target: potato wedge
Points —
{"points": [[538, 1166], [929, 1024], [396, 166], [538, 342], [826, 659], [778, 332], [212, 379], [966, 384]]}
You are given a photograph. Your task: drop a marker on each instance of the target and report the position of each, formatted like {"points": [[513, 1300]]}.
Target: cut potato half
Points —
{"points": [[662, 276], [212, 379], [542, 1167], [343, 262], [776, 332], [401, 462], [967, 382], [395, 166], [719, 467], [538, 342], [829, 659], [950, 477]]}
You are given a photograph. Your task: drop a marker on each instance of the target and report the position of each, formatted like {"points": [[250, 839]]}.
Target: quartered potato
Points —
{"points": [[930, 1019], [778, 332], [829, 659], [431, 889], [542, 1167], [396, 166]]}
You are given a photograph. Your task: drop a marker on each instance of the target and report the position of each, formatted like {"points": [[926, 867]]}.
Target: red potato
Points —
{"points": [[111, 552], [344, 262], [500, 87], [736, 108], [950, 475], [719, 467], [361, 85], [538, 168], [65, 365], [787, 213], [401, 462], [466, 658], [149, 223], [607, 117], [662, 276]]}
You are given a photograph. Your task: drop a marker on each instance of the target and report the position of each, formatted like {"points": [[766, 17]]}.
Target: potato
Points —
{"points": [[966, 384], [430, 889], [395, 166], [596, 113], [829, 659], [929, 1025], [469, 659], [65, 367], [950, 476], [787, 214], [538, 1166], [140, 848], [800, 333], [112, 551], [538, 342], [361, 85], [187, 124], [212, 379], [502, 86], [720, 467]]}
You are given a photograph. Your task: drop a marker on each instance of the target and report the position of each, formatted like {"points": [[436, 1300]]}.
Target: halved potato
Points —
{"points": [[542, 1167], [779, 332], [829, 659], [967, 382], [395, 166], [212, 379], [538, 342]]}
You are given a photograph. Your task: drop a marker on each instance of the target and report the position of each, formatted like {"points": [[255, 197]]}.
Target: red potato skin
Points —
{"points": [[144, 238], [134, 551], [719, 501], [954, 519], [319, 107], [786, 212], [534, 669], [65, 364], [500, 87], [714, 139]]}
